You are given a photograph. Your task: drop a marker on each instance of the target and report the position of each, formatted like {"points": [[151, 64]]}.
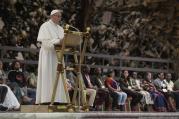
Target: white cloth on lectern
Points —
{"points": [[49, 34]]}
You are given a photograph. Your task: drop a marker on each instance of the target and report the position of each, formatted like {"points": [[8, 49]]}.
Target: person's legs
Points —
{"points": [[92, 94], [124, 97], [108, 101], [136, 98], [176, 97], [146, 101], [31, 93], [119, 98], [123, 101], [114, 96], [17, 91]]}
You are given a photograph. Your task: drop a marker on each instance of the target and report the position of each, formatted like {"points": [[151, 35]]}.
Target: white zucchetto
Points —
{"points": [[55, 11]]}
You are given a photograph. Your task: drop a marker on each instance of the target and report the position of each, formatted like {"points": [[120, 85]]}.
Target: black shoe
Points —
{"points": [[122, 107], [115, 109], [2, 108], [92, 109]]}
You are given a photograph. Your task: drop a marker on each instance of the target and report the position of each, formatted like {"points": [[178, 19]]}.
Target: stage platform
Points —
{"points": [[89, 115], [42, 112]]}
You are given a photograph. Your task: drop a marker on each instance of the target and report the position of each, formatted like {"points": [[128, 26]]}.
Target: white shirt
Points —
{"points": [[169, 85]]}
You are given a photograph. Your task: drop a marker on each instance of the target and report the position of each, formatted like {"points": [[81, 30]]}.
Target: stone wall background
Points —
{"points": [[144, 28]]}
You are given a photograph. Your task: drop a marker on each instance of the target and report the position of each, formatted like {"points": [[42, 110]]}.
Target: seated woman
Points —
{"points": [[160, 102], [114, 88], [127, 88], [136, 84]]}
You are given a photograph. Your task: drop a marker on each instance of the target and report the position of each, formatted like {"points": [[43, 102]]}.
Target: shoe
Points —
{"points": [[2, 108], [115, 109], [92, 109], [27, 101], [122, 107]]}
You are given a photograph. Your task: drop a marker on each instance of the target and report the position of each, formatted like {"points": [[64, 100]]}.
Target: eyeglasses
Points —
{"points": [[57, 15]]}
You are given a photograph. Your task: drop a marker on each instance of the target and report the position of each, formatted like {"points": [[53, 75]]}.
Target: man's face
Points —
{"points": [[98, 70], [169, 76], [87, 70], [56, 17], [161, 76], [17, 65], [134, 75]]}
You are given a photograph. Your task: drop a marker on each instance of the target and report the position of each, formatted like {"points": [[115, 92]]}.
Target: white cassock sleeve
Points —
{"points": [[44, 36], [59, 38]]}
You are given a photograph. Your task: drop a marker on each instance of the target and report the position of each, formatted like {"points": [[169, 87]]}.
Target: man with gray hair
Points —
{"points": [[50, 33]]}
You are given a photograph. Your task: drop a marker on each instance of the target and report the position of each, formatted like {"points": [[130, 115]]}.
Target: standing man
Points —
{"points": [[50, 33]]}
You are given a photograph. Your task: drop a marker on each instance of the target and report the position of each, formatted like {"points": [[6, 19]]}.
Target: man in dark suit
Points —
{"points": [[102, 94]]}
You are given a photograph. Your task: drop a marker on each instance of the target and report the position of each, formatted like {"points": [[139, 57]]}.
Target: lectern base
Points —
{"points": [[61, 108]]}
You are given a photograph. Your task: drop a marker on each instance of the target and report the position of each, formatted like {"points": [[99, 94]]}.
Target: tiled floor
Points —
{"points": [[89, 115]]}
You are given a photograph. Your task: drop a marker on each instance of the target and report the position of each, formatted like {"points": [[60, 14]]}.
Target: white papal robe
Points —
{"points": [[49, 34]]}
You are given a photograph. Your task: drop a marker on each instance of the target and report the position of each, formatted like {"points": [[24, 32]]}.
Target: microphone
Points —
{"points": [[68, 26], [77, 32]]}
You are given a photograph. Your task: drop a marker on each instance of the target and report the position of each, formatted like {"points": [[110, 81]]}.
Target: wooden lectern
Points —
{"points": [[72, 39]]}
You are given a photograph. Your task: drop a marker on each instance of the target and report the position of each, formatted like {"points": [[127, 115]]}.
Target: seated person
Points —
{"points": [[160, 103], [8, 100], [115, 90], [71, 86], [18, 83], [136, 84], [90, 89], [126, 86], [103, 94], [176, 90], [165, 87]]}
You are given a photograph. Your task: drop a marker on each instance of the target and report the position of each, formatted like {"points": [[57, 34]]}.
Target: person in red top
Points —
{"points": [[115, 89]]}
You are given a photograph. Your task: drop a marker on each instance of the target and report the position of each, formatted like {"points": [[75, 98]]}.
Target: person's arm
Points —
{"points": [[46, 38], [175, 86], [24, 79], [122, 84], [157, 85], [58, 40], [43, 36], [95, 81], [111, 88]]}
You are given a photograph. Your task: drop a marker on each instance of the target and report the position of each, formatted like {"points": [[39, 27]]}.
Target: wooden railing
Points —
{"points": [[123, 63]]}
